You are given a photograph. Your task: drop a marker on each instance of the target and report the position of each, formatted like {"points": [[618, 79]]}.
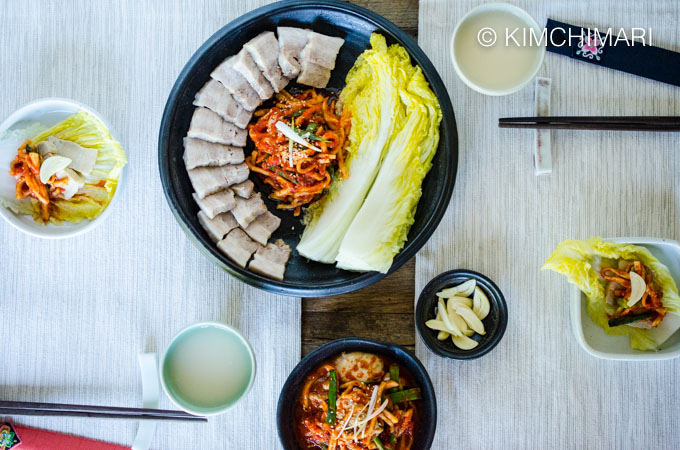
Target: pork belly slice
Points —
{"points": [[244, 64], [207, 125], [214, 96], [270, 261], [219, 226], [321, 50], [198, 153], [314, 75], [246, 210], [237, 86], [244, 189], [208, 180], [291, 42], [261, 229], [264, 49], [217, 203], [238, 247]]}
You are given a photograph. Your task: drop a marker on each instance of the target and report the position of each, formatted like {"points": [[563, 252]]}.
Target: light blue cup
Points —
{"points": [[207, 368]]}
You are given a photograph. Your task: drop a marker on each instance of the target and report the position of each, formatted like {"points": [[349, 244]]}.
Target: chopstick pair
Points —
{"points": [[615, 123], [111, 412]]}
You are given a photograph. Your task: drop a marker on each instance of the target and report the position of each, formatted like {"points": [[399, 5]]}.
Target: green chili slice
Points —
{"points": [[332, 396]]}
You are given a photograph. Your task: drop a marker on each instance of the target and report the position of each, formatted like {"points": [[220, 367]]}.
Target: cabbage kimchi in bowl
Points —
{"points": [[358, 399]]}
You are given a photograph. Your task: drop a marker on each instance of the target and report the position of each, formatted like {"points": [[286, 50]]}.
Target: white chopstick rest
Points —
{"points": [[542, 151], [150, 397]]}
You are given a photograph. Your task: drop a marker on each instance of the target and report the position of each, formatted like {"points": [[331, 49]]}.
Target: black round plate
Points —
{"points": [[427, 407], [354, 24]]}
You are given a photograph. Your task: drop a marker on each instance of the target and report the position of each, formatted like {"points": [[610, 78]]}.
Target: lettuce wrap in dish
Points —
{"points": [[68, 172], [629, 292]]}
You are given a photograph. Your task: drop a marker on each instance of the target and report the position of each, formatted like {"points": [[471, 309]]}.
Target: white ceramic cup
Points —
{"points": [[176, 396], [522, 15]]}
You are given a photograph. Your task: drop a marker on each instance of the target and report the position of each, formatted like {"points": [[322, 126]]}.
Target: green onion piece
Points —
{"points": [[311, 127], [623, 320], [405, 396], [378, 443], [332, 397], [394, 376], [283, 175], [394, 373], [314, 137], [299, 112], [393, 439]]}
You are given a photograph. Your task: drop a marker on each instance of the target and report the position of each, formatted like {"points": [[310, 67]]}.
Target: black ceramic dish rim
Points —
{"points": [[346, 344], [439, 282], [320, 289]]}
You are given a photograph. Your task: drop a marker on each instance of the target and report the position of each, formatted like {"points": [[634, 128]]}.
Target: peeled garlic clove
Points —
{"points": [[442, 335], [464, 290], [457, 299], [53, 165], [470, 318], [464, 342], [459, 322], [437, 325], [468, 332], [481, 304], [637, 288], [452, 328]]}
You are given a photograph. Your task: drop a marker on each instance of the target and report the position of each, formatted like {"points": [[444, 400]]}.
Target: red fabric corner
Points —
{"points": [[36, 439]]}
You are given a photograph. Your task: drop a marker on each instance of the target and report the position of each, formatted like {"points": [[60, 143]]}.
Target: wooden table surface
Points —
{"points": [[383, 311]]}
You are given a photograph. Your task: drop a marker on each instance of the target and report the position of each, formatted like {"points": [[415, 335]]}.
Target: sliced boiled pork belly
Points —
{"points": [[243, 190], [214, 96], [271, 260], [236, 84], [198, 152], [246, 210], [217, 203], [291, 42], [264, 49], [314, 75], [237, 246], [261, 229], [208, 180], [317, 59], [244, 64], [321, 50], [217, 227], [207, 125]]}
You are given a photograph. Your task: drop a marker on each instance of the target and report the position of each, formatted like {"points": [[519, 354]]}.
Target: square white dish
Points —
{"points": [[595, 341]]}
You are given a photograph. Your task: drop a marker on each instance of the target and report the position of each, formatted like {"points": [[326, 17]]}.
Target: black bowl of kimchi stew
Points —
{"points": [[303, 278], [363, 375]]}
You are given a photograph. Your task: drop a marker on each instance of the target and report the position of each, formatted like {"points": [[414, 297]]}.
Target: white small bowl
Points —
{"points": [[47, 112], [595, 341], [519, 12]]}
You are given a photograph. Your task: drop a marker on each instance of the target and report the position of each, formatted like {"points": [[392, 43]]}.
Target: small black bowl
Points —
{"points": [[427, 406], [494, 323]]}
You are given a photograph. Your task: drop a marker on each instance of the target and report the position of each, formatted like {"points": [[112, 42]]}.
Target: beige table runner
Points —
{"points": [[538, 388], [75, 313]]}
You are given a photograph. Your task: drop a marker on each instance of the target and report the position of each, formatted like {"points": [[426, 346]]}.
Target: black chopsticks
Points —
{"points": [[616, 123], [112, 412]]}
